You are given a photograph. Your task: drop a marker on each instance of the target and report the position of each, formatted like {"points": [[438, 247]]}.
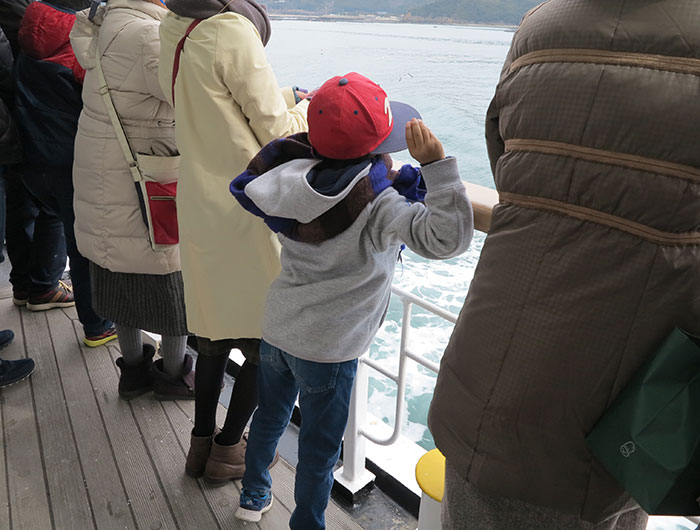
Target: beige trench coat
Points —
{"points": [[227, 106]]}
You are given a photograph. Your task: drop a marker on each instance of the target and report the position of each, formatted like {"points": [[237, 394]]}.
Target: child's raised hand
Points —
{"points": [[422, 143]]}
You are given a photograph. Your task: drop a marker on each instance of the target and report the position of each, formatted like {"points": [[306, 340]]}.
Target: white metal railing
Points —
{"points": [[353, 475]]}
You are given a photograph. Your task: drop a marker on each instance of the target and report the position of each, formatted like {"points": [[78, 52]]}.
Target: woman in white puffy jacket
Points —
{"points": [[133, 285]]}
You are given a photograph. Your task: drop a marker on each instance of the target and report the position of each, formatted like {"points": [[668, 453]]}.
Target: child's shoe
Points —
{"points": [[253, 504]]}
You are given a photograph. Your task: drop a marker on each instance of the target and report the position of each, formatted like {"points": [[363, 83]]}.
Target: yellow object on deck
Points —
{"points": [[430, 474]]}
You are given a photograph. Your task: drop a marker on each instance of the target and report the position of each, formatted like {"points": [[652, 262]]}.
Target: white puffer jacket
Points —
{"points": [[108, 225]]}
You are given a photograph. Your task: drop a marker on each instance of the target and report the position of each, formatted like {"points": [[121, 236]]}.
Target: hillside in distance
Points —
{"points": [[508, 12], [351, 7], [476, 11]]}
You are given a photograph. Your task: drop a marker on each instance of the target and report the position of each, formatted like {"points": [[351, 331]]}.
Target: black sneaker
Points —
{"points": [[12, 372], [19, 298]]}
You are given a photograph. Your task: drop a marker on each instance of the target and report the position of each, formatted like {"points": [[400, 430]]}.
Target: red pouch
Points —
{"points": [[162, 212]]}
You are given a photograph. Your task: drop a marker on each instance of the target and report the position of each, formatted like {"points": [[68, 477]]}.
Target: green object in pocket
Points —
{"points": [[649, 438]]}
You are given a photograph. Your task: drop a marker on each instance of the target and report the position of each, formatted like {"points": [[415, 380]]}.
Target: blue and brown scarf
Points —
{"points": [[408, 182]]}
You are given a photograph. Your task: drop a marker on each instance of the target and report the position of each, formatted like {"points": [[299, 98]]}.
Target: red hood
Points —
{"points": [[44, 35]]}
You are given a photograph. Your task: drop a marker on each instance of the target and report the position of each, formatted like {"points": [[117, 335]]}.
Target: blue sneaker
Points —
{"points": [[253, 504], [12, 372], [6, 337]]}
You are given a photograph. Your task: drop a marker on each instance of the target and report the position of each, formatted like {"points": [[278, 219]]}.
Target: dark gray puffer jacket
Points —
{"points": [[594, 250]]}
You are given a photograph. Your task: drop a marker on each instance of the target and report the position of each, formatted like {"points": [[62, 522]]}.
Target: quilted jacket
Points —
{"points": [[109, 228], [594, 250]]}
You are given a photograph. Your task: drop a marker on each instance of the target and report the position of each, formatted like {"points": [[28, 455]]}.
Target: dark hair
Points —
{"points": [[73, 5]]}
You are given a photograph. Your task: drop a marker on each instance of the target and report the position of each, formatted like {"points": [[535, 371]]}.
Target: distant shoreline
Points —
{"points": [[382, 19]]}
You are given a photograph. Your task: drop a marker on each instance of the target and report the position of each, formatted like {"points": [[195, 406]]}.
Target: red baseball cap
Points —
{"points": [[351, 116]]}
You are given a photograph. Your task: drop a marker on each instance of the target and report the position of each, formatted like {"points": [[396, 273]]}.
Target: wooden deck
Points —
{"points": [[76, 457]]}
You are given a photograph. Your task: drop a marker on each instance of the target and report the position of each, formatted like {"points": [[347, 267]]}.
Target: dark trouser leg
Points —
{"points": [[2, 213], [35, 240], [20, 214], [62, 187]]}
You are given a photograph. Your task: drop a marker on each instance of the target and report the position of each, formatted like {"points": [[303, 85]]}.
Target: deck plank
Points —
{"points": [[189, 505], [65, 480], [29, 504], [9, 316], [167, 454], [4, 498], [143, 487], [108, 499], [71, 313]]}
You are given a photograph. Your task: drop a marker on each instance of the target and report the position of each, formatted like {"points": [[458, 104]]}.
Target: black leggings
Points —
{"points": [[209, 376]]}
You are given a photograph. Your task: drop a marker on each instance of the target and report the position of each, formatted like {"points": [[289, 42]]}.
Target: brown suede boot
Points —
{"points": [[197, 456], [226, 462]]}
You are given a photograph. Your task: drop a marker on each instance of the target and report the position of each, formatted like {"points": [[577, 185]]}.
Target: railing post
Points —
{"points": [[352, 475]]}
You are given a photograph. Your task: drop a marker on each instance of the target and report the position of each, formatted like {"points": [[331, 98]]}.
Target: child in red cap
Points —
{"points": [[342, 216]]}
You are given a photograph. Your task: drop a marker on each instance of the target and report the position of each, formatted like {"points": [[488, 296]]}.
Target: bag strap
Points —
{"points": [[116, 122], [178, 52]]}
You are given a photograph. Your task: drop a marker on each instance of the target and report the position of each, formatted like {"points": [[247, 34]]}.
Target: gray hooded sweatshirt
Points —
{"points": [[331, 297]]}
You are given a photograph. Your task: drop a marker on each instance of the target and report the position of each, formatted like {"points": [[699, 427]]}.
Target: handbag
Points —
{"points": [[649, 438], [155, 178]]}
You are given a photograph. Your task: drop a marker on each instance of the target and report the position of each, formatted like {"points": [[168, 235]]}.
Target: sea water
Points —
{"points": [[449, 73]]}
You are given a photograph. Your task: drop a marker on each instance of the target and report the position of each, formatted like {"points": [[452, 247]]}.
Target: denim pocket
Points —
{"points": [[273, 356], [315, 378]]}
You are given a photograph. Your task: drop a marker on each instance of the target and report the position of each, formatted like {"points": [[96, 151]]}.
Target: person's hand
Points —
{"points": [[300, 94], [422, 143]]}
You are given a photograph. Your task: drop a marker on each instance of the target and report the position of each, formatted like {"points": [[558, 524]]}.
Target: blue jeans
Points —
{"points": [[34, 239], [53, 193], [324, 399]]}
